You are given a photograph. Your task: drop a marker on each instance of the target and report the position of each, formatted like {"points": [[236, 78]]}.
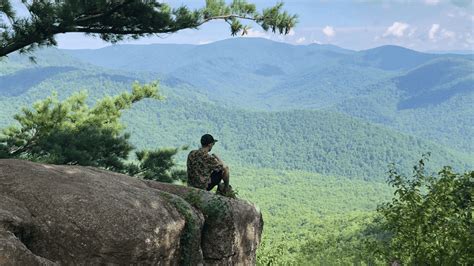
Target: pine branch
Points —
{"points": [[127, 19], [100, 15], [225, 17]]}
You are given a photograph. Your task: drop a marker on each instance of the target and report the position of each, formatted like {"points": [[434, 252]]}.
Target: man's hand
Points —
{"points": [[218, 159]]}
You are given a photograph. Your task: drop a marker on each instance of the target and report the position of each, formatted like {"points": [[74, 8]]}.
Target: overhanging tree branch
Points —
{"points": [[115, 20]]}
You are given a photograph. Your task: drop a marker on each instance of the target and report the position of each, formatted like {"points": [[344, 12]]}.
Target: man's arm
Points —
{"points": [[218, 159]]}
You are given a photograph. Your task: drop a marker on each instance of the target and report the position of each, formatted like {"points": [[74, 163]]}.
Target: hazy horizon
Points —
{"points": [[467, 51]]}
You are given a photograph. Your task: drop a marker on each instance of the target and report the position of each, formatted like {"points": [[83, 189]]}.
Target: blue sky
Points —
{"points": [[423, 25]]}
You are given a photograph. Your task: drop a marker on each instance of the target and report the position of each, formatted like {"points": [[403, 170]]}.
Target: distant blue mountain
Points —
{"points": [[256, 68], [155, 58], [436, 82], [462, 52], [392, 57]]}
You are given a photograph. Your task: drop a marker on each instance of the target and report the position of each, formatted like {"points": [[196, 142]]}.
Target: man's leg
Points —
{"points": [[226, 189], [216, 178], [226, 176]]}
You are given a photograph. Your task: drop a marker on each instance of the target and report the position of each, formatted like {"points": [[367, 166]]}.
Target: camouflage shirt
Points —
{"points": [[200, 165]]}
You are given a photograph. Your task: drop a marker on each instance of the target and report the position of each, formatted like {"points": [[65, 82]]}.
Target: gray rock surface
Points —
{"points": [[72, 215], [232, 228]]}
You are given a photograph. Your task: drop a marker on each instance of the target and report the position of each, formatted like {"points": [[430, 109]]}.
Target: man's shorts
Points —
{"points": [[216, 178]]}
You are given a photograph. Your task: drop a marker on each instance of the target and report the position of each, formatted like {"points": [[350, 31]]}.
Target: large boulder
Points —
{"points": [[232, 230], [64, 215]]}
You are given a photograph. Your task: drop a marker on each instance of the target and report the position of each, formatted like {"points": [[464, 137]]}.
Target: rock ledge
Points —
{"points": [[55, 215]]}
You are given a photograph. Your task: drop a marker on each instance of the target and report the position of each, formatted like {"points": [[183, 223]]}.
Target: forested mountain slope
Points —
{"points": [[316, 141], [435, 82], [312, 140], [433, 101], [380, 85]]}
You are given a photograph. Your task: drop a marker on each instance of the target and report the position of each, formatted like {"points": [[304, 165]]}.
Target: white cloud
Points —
{"points": [[251, 33], [301, 40], [432, 2], [397, 29], [329, 31], [448, 34], [292, 32], [437, 33], [432, 33]]}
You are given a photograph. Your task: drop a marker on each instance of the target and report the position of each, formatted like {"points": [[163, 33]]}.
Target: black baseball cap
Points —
{"points": [[207, 139]]}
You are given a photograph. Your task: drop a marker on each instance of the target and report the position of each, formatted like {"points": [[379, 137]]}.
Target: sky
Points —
{"points": [[423, 25]]}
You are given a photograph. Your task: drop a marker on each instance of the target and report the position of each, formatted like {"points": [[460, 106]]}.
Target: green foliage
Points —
{"points": [[157, 165], [179, 174], [189, 239], [229, 192], [342, 243], [300, 208], [4, 154], [112, 21], [274, 19], [429, 221], [215, 208], [317, 141], [70, 132], [194, 198]]}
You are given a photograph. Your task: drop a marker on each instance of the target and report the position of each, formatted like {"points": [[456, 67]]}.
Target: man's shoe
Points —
{"points": [[226, 192]]}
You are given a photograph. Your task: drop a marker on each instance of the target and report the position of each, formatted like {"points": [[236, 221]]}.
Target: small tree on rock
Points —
{"points": [[71, 132], [158, 165]]}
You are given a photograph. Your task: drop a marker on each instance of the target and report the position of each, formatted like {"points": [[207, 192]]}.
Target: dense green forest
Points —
{"points": [[318, 141], [412, 92], [300, 207], [309, 145]]}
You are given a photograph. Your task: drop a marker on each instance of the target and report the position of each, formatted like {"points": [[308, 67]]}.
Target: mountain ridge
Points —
{"points": [[275, 80], [312, 140]]}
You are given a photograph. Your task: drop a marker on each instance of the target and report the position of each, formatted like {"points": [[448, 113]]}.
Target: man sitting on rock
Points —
{"points": [[205, 171]]}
